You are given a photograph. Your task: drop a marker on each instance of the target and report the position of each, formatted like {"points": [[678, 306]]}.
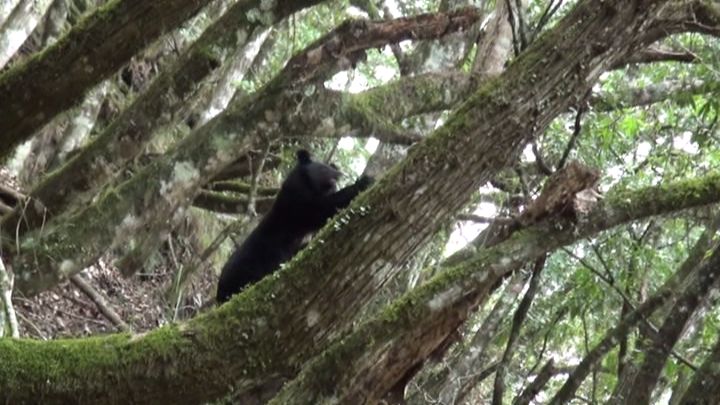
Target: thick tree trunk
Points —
{"points": [[365, 364]]}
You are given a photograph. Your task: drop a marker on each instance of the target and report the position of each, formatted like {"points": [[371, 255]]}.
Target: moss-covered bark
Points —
{"points": [[56, 79], [212, 351], [369, 362]]}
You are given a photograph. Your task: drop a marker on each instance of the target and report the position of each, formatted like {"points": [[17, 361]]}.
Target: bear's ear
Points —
{"points": [[303, 157]]}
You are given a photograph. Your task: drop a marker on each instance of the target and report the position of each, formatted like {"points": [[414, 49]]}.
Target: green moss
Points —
{"points": [[53, 361]]}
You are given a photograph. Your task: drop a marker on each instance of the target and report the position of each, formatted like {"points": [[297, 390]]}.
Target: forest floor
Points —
{"points": [[65, 311]]}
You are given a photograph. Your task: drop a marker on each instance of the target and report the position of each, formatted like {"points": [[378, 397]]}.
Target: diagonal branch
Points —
{"points": [[541, 379], [381, 349], [658, 53], [705, 385], [216, 334], [517, 323]]}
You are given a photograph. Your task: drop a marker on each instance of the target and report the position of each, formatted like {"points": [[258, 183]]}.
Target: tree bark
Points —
{"points": [[657, 352], [363, 366], [517, 322], [542, 378], [447, 383]]}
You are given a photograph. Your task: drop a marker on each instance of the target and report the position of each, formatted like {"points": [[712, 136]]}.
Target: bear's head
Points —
{"points": [[311, 178]]}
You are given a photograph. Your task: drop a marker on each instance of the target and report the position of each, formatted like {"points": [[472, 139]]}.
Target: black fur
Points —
{"points": [[307, 199]]}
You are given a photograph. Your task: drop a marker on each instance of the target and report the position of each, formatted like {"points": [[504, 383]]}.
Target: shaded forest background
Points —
{"points": [[543, 229]]}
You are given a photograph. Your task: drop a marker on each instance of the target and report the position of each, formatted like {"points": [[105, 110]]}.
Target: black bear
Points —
{"points": [[306, 200]]}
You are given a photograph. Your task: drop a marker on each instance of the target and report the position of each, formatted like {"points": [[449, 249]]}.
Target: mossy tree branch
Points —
{"points": [[367, 363]]}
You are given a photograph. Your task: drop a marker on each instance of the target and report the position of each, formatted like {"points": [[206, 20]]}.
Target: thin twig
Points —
{"points": [[252, 194], [521, 25], [100, 302], [6, 285], [573, 139], [331, 153], [511, 20], [80, 317], [180, 268], [539, 161], [517, 323], [654, 336], [550, 10], [546, 337], [32, 324], [182, 279]]}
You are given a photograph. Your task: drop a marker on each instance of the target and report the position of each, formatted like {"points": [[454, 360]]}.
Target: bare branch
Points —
{"points": [[99, 300], [534, 388], [577, 128], [7, 310], [484, 220], [651, 94], [345, 45], [658, 53], [517, 323]]}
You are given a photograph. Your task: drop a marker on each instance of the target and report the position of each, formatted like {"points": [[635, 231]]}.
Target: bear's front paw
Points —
{"points": [[364, 182]]}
